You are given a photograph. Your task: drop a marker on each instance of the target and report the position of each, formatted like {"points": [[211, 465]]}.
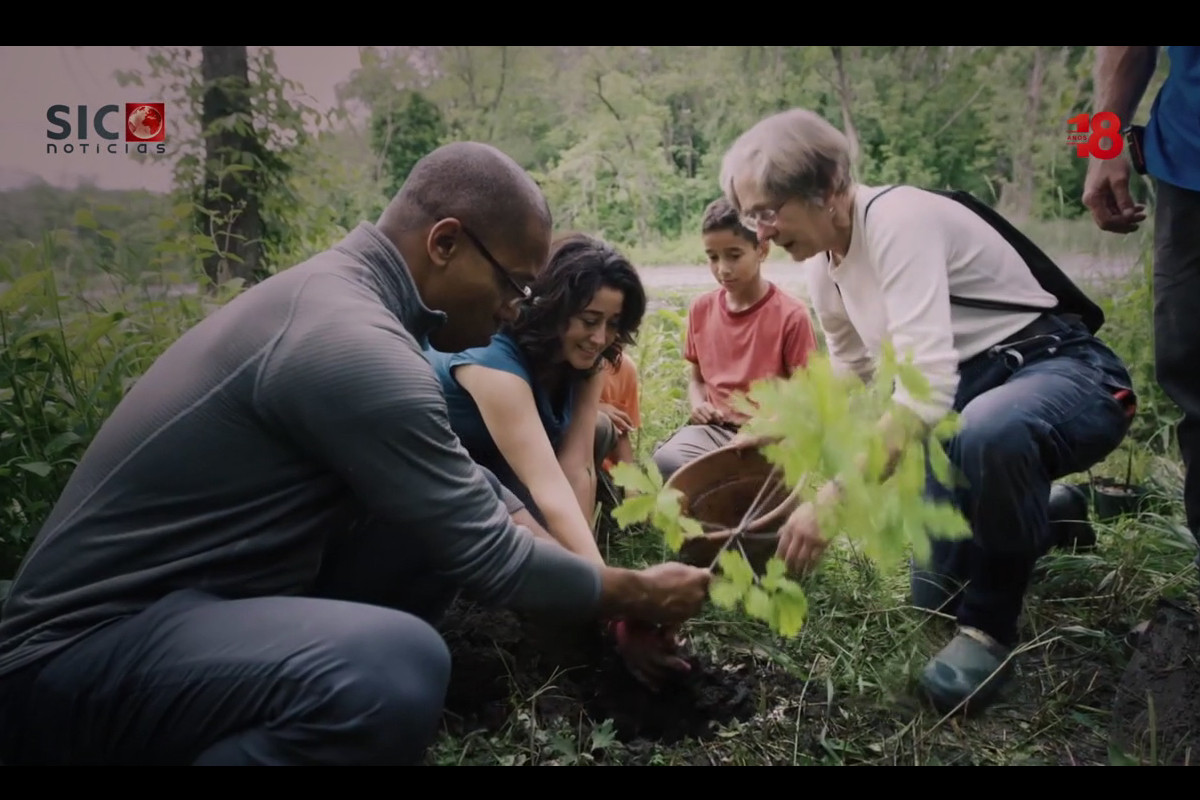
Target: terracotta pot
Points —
{"points": [[718, 489]]}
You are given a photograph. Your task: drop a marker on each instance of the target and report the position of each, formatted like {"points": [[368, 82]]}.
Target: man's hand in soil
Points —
{"points": [[650, 652], [665, 594]]}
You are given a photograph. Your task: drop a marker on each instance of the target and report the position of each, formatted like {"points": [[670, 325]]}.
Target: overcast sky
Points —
{"points": [[38, 77]]}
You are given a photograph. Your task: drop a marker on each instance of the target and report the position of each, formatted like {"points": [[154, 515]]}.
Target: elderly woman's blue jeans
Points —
{"points": [[1034, 410]]}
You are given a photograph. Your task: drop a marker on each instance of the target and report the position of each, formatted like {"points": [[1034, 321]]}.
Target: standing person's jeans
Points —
{"points": [[1034, 410], [1177, 326]]}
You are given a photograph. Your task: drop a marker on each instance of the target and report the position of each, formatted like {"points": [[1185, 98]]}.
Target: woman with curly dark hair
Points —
{"points": [[526, 406]]}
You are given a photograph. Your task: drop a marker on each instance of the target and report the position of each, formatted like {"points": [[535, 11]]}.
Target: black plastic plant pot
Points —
{"points": [[1113, 499], [1069, 513]]}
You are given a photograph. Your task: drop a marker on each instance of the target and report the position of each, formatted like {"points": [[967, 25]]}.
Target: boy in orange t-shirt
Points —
{"points": [[619, 408], [745, 331]]}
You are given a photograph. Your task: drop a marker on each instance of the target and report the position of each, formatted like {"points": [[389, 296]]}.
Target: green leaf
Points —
{"points": [[690, 527], [31, 287], [636, 508], [825, 425], [914, 382], [791, 610], [667, 506], [39, 468], [61, 442], [776, 572], [758, 604], [947, 427], [939, 462], [633, 478], [736, 568], [724, 593]]}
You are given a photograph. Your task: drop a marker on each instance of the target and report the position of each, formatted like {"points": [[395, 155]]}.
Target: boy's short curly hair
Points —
{"points": [[722, 216]]}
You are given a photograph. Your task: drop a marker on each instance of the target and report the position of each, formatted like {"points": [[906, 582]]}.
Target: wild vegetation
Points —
{"points": [[626, 141]]}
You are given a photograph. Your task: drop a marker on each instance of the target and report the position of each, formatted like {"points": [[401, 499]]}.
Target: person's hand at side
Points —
{"points": [[1106, 194]]}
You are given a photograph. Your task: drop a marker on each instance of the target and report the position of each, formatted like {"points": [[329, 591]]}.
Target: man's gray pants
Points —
{"points": [[689, 443], [355, 674]]}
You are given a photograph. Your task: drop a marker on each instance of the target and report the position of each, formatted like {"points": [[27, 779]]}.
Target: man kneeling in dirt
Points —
{"points": [[193, 597]]}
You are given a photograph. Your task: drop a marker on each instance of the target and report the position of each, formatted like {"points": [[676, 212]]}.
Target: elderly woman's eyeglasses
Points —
{"points": [[521, 289], [764, 216]]}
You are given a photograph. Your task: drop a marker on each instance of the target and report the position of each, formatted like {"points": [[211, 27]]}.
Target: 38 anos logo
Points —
{"points": [[92, 129]]}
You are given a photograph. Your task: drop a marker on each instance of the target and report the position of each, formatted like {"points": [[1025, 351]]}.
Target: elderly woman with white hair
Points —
{"points": [[1040, 396]]}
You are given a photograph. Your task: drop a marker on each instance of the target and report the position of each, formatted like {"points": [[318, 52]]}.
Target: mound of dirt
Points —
{"points": [[499, 659], [1156, 713]]}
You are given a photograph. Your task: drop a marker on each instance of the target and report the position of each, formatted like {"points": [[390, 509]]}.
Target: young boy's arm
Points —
{"points": [[702, 412]]}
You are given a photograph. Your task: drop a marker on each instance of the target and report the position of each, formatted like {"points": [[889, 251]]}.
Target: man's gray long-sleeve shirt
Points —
{"points": [[269, 427]]}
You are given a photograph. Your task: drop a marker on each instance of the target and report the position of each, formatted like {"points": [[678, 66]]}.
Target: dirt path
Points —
{"points": [[1081, 268], [691, 278]]}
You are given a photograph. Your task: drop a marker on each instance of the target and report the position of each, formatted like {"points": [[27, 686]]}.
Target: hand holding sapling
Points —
{"points": [[825, 432], [857, 446]]}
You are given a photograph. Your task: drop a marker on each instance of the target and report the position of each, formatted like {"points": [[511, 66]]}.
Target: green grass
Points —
{"points": [[843, 691], [840, 693]]}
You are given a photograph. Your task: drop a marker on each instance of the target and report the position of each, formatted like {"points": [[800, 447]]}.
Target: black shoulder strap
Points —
{"points": [[1071, 300]]}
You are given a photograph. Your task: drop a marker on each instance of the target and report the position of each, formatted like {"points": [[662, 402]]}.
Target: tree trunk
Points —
{"points": [[846, 96], [1021, 201], [231, 199]]}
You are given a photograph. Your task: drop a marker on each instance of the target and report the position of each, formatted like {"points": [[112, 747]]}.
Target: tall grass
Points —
{"points": [[75, 333], [73, 339], [77, 330]]}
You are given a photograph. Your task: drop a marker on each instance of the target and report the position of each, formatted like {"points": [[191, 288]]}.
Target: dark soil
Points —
{"points": [[575, 674], [1156, 713]]}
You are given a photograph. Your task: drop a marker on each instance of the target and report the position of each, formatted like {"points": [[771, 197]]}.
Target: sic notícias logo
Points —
{"points": [[140, 125]]}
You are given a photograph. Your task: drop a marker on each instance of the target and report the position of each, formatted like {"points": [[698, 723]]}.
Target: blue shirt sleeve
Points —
{"points": [[502, 354], [1173, 132], [465, 420]]}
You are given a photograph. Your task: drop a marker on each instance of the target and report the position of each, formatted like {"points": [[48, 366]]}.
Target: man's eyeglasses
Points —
{"points": [[521, 289]]}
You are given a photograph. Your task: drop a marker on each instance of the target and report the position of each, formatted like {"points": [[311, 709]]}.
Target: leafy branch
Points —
{"points": [[648, 501], [822, 426]]}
